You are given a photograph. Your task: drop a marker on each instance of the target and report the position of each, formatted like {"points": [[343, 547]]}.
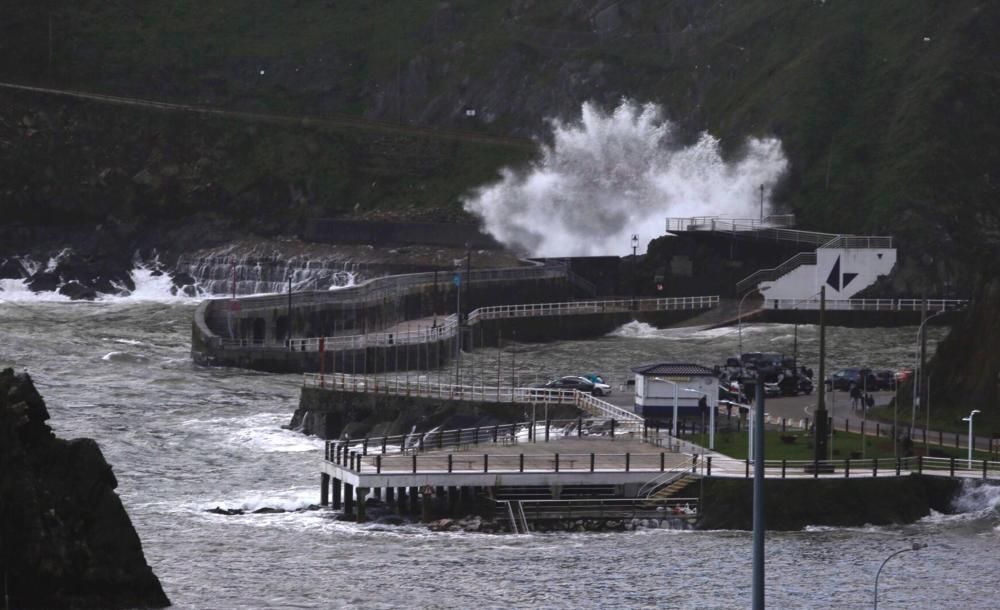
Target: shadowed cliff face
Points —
{"points": [[65, 539]]}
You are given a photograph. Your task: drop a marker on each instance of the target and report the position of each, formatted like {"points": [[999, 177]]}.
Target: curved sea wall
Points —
{"points": [[332, 415], [792, 504], [65, 538]]}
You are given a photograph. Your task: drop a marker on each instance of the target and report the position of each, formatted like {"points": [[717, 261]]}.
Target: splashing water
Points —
{"points": [[609, 176]]}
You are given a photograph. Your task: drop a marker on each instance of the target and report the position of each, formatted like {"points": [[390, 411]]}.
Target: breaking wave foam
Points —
{"points": [[611, 175]]}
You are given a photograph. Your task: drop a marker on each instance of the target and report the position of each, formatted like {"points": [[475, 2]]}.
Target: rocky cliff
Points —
{"points": [[65, 538]]}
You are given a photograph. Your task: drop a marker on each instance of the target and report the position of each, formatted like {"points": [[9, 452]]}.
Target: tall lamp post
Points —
{"points": [[918, 375], [971, 438], [916, 547], [635, 281], [739, 314], [711, 417]]}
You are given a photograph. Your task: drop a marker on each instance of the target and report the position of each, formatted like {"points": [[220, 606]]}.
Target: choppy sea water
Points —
{"points": [[183, 439]]}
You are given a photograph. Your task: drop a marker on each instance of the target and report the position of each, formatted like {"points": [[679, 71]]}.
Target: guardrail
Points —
{"points": [[857, 468], [591, 307], [769, 275], [718, 223], [608, 508], [449, 326], [858, 242], [870, 304]]}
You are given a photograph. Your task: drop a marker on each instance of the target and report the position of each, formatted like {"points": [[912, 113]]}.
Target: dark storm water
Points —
{"points": [[183, 439]]}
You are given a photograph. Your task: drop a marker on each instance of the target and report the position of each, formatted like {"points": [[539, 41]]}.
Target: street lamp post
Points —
{"points": [[916, 547], [635, 281], [971, 438], [739, 315], [918, 374], [711, 417]]}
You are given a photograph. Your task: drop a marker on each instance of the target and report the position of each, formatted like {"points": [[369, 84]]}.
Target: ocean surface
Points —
{"points": [[183, 439]]}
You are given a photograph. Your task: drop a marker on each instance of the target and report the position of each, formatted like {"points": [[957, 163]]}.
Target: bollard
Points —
{"points": [[591, 462], [783, 464]]}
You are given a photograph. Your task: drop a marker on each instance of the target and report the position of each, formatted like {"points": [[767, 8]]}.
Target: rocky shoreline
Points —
{"points": [[66, 540]]}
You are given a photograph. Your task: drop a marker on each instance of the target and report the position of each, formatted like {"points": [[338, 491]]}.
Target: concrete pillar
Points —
{"points": [[360, 506], [401, 500], [414, 496], [390, 495], [378, 493], [426, 504], [324, 489], [454, 506], [348, 498], [336, 493]]}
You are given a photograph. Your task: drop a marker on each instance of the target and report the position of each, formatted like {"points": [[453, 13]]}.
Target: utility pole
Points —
{"points": [[758, 497], [762, 203], [289, 311], [820, 425]]}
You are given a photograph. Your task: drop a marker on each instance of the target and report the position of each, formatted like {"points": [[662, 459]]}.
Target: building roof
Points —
{"points": [[670, 368]]}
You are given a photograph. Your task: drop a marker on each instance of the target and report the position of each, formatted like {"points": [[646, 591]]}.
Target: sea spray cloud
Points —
{"points": [[608, 176]]}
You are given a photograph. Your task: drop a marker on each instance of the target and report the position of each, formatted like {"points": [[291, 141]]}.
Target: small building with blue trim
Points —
{"points": [[655, 386]]}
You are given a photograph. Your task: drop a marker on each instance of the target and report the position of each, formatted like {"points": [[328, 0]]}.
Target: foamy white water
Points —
{"points": [[608, 176]]}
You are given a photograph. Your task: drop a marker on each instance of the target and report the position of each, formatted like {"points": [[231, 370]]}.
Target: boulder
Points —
{"points": [[77, 291], [12, 269], [44, 281], [67, 540]]}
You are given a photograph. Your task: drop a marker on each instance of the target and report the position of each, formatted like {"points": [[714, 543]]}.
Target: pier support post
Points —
{"points": [[414, 496], [360, 505], [336, 493], [390, 495], [378, 493], [348, 498], [426, 503], [401, 500], [324, 489], [453, 503]]}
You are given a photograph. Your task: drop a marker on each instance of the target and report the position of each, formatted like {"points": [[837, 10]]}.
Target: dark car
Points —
{"points": [[572, 382], [886, 380], [845, 378]]}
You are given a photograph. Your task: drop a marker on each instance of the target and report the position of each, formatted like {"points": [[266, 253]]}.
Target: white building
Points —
{"points": [[656, 385]]}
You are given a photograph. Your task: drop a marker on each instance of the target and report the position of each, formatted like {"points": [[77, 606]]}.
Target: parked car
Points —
{"points": [[573, 382], [904, 374], [886, 380], [844, 378], [789, 385]]}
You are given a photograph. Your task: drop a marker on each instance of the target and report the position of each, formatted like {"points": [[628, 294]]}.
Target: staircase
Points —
{"points": [[672, 489]]}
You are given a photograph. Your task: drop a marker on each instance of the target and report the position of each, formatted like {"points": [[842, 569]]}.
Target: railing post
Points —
{"points": [[591, 462], [496, 432], [486, 462], [747, 473], [520, 463], [951, 467], [920, 464], [378, 464], [579, 427], [557, 462], [847, 468], [783, 465], [476, 442], [708, 466], [984, 469], [898, 466], [628, 457], [612, 428], [815, 467], [874, 467], [663, 461], [414, 463], [548, 423], [384, 440], [449, 462]]}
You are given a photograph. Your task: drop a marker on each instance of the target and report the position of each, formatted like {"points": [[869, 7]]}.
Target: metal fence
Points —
{"points": [[856, 468], [870, 304]]}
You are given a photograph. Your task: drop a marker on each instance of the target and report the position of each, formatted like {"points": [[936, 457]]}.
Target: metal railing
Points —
{"points": [[718, 223], [858, 242], [870, 304], [450, 325], [769, 275], [609, 508], [859, 468]]}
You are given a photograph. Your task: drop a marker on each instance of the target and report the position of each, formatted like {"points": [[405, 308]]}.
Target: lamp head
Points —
{"points": [[974, 411]]}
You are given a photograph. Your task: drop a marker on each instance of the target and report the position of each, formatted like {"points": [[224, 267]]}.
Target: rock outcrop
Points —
{"points": [[65, 538]]}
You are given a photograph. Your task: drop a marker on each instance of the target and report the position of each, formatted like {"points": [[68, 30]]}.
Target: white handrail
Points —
{"points": [[870, 304]]}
